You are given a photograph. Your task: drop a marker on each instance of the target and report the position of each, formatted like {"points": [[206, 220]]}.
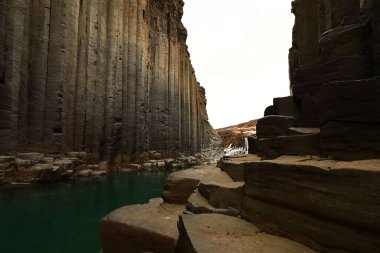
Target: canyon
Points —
{"points": [[111, 78], [99, 84], [311, 180]]}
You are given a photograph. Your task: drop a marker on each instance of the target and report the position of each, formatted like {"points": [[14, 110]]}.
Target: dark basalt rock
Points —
{"points": [[115, 82]]}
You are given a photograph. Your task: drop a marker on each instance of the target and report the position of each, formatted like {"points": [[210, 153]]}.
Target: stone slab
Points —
{"points": [[150, 227], [215, 233], [305, 144], [325, 204], [181, 184]]}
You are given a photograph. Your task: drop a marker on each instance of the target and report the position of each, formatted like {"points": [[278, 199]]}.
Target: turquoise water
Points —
{"points": [[64, 217]]}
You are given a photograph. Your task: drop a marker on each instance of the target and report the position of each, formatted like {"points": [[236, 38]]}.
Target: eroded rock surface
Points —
{"points": [[329, 205], [209, 233], [112, 78], [150, 227], [180, 185]]}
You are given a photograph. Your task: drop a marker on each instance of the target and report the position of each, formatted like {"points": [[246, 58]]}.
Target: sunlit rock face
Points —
{"points": [[109, 77]]}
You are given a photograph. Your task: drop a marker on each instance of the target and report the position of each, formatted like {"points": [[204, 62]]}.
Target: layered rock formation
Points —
{"points": [[112, 78], [298, 186], [334, 76]]}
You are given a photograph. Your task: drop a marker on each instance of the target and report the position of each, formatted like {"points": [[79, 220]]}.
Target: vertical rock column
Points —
{"points": [[61, 77], [14, 14], [39, 49], [100, 89], [112, 78]]}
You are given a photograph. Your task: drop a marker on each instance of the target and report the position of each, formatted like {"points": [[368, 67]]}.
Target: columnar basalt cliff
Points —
{"points": [[334, 74], [112, 78]]}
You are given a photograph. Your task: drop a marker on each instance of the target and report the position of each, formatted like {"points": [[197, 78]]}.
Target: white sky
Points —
{"points": [[239, 50]]}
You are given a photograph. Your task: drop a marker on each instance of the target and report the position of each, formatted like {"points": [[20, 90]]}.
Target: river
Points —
{"points": [[63, 217]]}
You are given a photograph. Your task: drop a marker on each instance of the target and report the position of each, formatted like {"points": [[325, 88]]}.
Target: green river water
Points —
{"points": [[63, 217]]}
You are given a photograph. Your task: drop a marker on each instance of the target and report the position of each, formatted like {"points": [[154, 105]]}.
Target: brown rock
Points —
{"points": [[273, 126], [325, 204], [209, 233], [223, 195], [350, 141], [181, 184], [284, 106], [306, 144], [235, 167], [350, 101], [141, 228]]}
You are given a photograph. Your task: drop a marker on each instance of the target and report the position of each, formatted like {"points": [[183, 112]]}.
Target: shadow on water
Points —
{"points": [[63, 217]]}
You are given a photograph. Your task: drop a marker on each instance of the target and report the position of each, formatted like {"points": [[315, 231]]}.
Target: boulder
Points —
{"points": [[147, 166], [85, 173], [98, 173], [181, 184], [30, 156], [64, 164], [150, 227], [215, 233]]}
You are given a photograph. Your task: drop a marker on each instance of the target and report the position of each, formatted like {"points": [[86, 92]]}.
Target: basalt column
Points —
{"points": [[112, 78]]}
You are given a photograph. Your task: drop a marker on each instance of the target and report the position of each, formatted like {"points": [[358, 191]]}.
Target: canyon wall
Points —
{"points": [[334, 73], [109, 77]]}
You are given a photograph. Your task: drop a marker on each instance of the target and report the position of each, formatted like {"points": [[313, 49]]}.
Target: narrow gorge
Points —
{"points": [[112, 78]]}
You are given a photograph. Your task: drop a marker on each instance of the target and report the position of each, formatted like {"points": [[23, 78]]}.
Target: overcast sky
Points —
{"points": [[239, 50]]}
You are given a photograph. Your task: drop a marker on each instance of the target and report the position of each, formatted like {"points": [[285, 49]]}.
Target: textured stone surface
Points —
{"points": [[223, 194], [350, 101], [350, 141], [141, 228], [235, 167], [273, 126], [329, 205], [209, 233], [305, 144], [181, 184], [284, 106], [112, 78]]}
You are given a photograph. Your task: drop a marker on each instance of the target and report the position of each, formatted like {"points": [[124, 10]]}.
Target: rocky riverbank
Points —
{"points": [[200, 212], [37, 168], [292, 204]]}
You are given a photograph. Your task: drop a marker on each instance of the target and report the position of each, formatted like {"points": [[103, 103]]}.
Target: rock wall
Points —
{"points": [[334, 75], [109, 77]]}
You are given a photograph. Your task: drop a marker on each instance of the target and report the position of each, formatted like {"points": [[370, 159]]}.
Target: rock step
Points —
{"points": [[331, 206], [273, 126], [223, 195], [181, 184], [304, 144], [235, 167], [215, 233], [150, 227], [198, 204]]}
